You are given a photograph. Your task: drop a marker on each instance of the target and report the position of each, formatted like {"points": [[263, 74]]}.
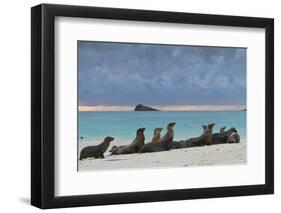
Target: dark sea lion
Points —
{"points": [[96, 151], [164, 143], [233, 138], [204, 128], [156, 135], [228, 136], [134, 147], [202, 140]]}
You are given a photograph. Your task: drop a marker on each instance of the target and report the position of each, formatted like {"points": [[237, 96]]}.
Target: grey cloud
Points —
{"points": [[127, 74]]}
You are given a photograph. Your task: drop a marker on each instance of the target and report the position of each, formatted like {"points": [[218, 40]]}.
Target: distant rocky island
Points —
{"points": [[141, 107]]}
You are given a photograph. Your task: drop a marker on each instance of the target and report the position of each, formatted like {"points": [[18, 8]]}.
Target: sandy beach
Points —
{"points": [[222, 154]]}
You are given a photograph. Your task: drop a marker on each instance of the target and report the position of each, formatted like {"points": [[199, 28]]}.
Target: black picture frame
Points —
{"points": [[43, 101]]}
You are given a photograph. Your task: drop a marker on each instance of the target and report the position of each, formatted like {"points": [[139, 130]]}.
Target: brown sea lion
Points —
{"points": [[202, 140], [156, 135], [222, 130], [206, 137], [134, 147], [228, 136], [164, 143], [96, 151]]}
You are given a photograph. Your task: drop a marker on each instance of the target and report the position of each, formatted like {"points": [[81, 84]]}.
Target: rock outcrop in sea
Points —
{"points": [[141, 107]]}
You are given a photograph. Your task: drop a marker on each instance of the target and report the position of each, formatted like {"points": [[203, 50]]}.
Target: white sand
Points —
{"points": [[198, 156]]}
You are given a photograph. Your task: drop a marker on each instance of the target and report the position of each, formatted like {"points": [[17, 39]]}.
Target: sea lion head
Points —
{"points": [[204, 128], [140, 131], [156, 135], [232, 129], [157, 130], [210, 126], [222, 129], [171, 125], [233, 138], [108, 139]]}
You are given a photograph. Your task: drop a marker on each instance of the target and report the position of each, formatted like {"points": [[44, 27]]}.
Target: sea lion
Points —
{"points": [[164, 143], [156, 135], [114, 148], [206, 137], [233, 138], [96, 151], [228, 136], [204, 128], [222, 130], [202, 140], [134, 147]]}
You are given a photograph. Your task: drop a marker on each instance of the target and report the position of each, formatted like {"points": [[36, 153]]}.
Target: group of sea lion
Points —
{"points": [[164, 143], [208, 138], [156, 145]]}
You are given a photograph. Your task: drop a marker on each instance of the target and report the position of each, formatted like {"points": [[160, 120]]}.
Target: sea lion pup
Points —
{"points": [[96, 151], [134, 147], [228, 136], [156, 135], [202, 140], [164, 143]]}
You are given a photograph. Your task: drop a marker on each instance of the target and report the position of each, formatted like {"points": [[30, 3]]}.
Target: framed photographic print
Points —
{"points": [[139, 106]]}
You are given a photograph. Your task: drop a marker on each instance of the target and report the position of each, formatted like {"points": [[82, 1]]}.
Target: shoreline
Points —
{"points": [[222, 154], [129, 108]]}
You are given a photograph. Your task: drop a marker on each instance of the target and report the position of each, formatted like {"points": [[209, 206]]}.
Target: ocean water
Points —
{"points": [[94, 126]]}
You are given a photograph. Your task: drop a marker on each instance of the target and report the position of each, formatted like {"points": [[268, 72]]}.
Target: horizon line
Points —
{"points": [[98, 108]]}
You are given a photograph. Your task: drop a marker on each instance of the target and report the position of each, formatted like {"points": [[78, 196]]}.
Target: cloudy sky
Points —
{"points": [[121, 74]]}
